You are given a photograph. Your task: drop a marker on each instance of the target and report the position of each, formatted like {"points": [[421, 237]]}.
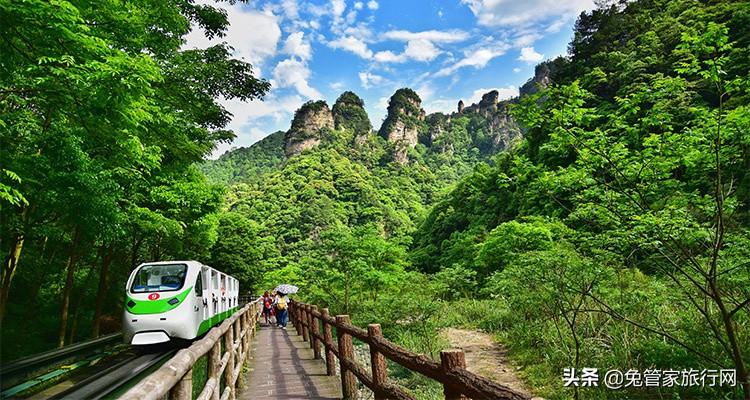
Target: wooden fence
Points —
{"points": [[176, 376], [450, 371]]}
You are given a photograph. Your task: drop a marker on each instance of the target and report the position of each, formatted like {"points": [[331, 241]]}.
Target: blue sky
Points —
{"points": [[446, 51]]}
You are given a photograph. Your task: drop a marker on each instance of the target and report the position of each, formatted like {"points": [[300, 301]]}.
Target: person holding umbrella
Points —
{"points": [[281, 302]]}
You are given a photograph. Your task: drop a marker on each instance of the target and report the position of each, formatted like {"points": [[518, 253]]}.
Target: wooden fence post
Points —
{"points": [[310, 327], [229, 370], [316, 331], [450, 360], [214, 359], [245, 327], [297, 319], [183, 390], [346, 352], [304, 322], [238, 335], [328, 342], [377, 361], [238, 325]]}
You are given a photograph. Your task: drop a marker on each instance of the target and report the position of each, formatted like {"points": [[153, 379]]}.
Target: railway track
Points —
{"points": [[111, 379], [42, 368]]}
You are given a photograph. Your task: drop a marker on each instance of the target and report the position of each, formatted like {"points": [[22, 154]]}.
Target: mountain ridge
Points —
{"points": [[489, 125]]}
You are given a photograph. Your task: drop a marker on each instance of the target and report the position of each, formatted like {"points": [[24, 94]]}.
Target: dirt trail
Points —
{"points": [[485, 357]]}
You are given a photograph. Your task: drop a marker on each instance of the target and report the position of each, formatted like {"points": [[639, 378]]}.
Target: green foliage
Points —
{"points": [[247, 164], [349, 113], [611, 230], [102, 116]]}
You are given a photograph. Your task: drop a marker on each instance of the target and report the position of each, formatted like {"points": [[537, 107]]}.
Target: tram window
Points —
{"points": [[199, 286], [159, 278]]}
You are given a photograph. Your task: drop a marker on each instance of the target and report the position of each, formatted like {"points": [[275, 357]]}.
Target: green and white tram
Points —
{"points": [[176, 300]]}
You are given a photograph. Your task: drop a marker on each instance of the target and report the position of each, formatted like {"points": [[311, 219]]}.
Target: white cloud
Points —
{"points": [[446, 106], [372, 5], [450, 36], [290, 9], [360, 31], [378, 112], [295, 45], [337, 8], [351, 17], [294, 73], [368, 79], [419, 46], [387, 56], [516, 13], [557, 25], [353, 45], [477, 58], [504, 94], [246, 114], [336, 86], [526, 39], [421, 50], [318, 10], [516, 70], [530, 56], [417, 50], [425, 91], [358, 5], [253, 35]]}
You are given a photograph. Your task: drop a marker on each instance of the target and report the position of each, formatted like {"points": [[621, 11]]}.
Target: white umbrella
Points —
{"points": [[286, 289]]}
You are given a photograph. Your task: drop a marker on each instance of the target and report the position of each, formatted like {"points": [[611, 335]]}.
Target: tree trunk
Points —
{"points": [[9, 269], [102, 291], [68, 288]]}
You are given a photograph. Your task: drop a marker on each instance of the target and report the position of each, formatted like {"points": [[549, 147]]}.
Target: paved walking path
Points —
{"points": [[282, 367]]}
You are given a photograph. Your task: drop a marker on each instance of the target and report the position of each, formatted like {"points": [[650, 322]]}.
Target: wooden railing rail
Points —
{"points": [[176, 376], [451, 371]]}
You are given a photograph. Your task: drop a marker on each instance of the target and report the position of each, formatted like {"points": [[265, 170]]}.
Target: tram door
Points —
{"points": [[214, 293], [204, 280], [223, 292]]}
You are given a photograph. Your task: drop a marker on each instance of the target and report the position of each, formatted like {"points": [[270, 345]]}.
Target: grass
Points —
{"points": [[200, 375]]}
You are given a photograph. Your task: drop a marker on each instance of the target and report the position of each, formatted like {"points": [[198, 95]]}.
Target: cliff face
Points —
{"points": [[494, 116], [310, 123], [541, 79], [403, 123], [503, 129]]}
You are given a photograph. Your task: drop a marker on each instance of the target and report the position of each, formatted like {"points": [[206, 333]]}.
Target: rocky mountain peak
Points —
{"points": [[541, 79], [349, 114], [402, 124], [310, 123]]}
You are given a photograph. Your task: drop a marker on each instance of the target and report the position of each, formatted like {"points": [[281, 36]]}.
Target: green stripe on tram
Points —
{"points": [[155, 306], [209, 323]]}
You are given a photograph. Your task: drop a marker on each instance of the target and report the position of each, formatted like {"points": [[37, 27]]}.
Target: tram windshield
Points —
{"points": [[159, 278]]}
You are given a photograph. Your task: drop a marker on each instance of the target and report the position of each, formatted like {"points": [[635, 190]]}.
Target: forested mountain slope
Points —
{"points": [[617, 232], [600, 220], [339, 178], [245, 164], [609, 229]]}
